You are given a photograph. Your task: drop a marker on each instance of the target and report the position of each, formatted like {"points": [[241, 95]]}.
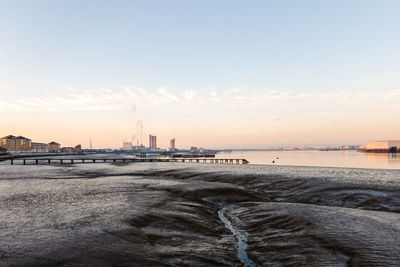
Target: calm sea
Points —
{"points": [[346, 159]]}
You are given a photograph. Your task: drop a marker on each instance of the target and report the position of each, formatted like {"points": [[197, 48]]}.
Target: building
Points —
{"points": [[391, 146], [127, 145], [40, 147], [172, 144], [54, 147], [67, 149], [16, 143], [152, 141], [9, 142], [78, 148]]}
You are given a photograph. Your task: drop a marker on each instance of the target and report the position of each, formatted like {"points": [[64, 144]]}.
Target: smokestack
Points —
{"points": [[139, 129]]}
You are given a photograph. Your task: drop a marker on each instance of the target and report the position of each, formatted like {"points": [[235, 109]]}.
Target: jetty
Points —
{"points": [[54, 160]]}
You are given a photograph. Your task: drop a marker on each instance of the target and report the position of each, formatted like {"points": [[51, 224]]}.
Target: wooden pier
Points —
{"points": [[42, 161]]}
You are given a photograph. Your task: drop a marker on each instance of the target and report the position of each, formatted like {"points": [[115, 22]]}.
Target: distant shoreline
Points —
{"points": [[280, 149]]}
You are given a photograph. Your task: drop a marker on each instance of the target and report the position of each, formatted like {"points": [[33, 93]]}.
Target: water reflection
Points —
{"points": [[383, 158], [348, 159]]}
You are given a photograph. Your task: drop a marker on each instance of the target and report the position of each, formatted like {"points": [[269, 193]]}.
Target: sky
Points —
{"points": [[214, 74]]}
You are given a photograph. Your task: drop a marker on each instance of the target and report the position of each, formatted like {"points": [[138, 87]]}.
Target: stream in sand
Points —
{"points": [[240, 238]]}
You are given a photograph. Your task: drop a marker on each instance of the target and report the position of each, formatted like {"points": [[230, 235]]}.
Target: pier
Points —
{"points": [[42, 161]]}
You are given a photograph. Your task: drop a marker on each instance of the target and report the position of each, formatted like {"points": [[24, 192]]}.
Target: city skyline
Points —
{"points": [[224, 74], [35, 146]]}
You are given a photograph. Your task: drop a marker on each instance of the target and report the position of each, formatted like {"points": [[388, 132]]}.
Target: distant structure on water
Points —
{"points": [[386, 146]]}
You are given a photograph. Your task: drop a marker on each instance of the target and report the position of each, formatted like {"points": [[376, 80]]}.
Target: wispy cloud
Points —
{"points": [[124, 98], [99, 99]]}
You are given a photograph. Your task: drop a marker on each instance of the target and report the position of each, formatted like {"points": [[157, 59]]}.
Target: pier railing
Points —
{"points": [[41, 160]]}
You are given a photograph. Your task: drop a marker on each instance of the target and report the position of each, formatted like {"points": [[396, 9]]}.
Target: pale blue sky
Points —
{"points": [[208, 50]]}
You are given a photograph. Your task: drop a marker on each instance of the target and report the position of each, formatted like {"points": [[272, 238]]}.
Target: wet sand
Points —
{"points": [[197, 215]]}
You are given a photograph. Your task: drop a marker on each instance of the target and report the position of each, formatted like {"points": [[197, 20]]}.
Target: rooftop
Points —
{"points": [[15, 137], [53, 143]]}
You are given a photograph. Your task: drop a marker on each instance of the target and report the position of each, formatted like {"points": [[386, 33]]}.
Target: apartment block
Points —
{"points": [[54, 147], [16, 143], [40, 147]]}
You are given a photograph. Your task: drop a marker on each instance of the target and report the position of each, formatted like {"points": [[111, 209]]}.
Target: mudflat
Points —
{"points": [[181, 214]]}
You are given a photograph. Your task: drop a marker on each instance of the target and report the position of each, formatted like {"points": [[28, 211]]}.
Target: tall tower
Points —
{"points": [[152, 141], [172, 144]]}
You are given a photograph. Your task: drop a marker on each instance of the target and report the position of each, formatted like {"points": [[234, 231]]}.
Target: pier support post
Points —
{"points": [[24, 162], [61, 161], [37, 162], [12, 162], [48, 161]]}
